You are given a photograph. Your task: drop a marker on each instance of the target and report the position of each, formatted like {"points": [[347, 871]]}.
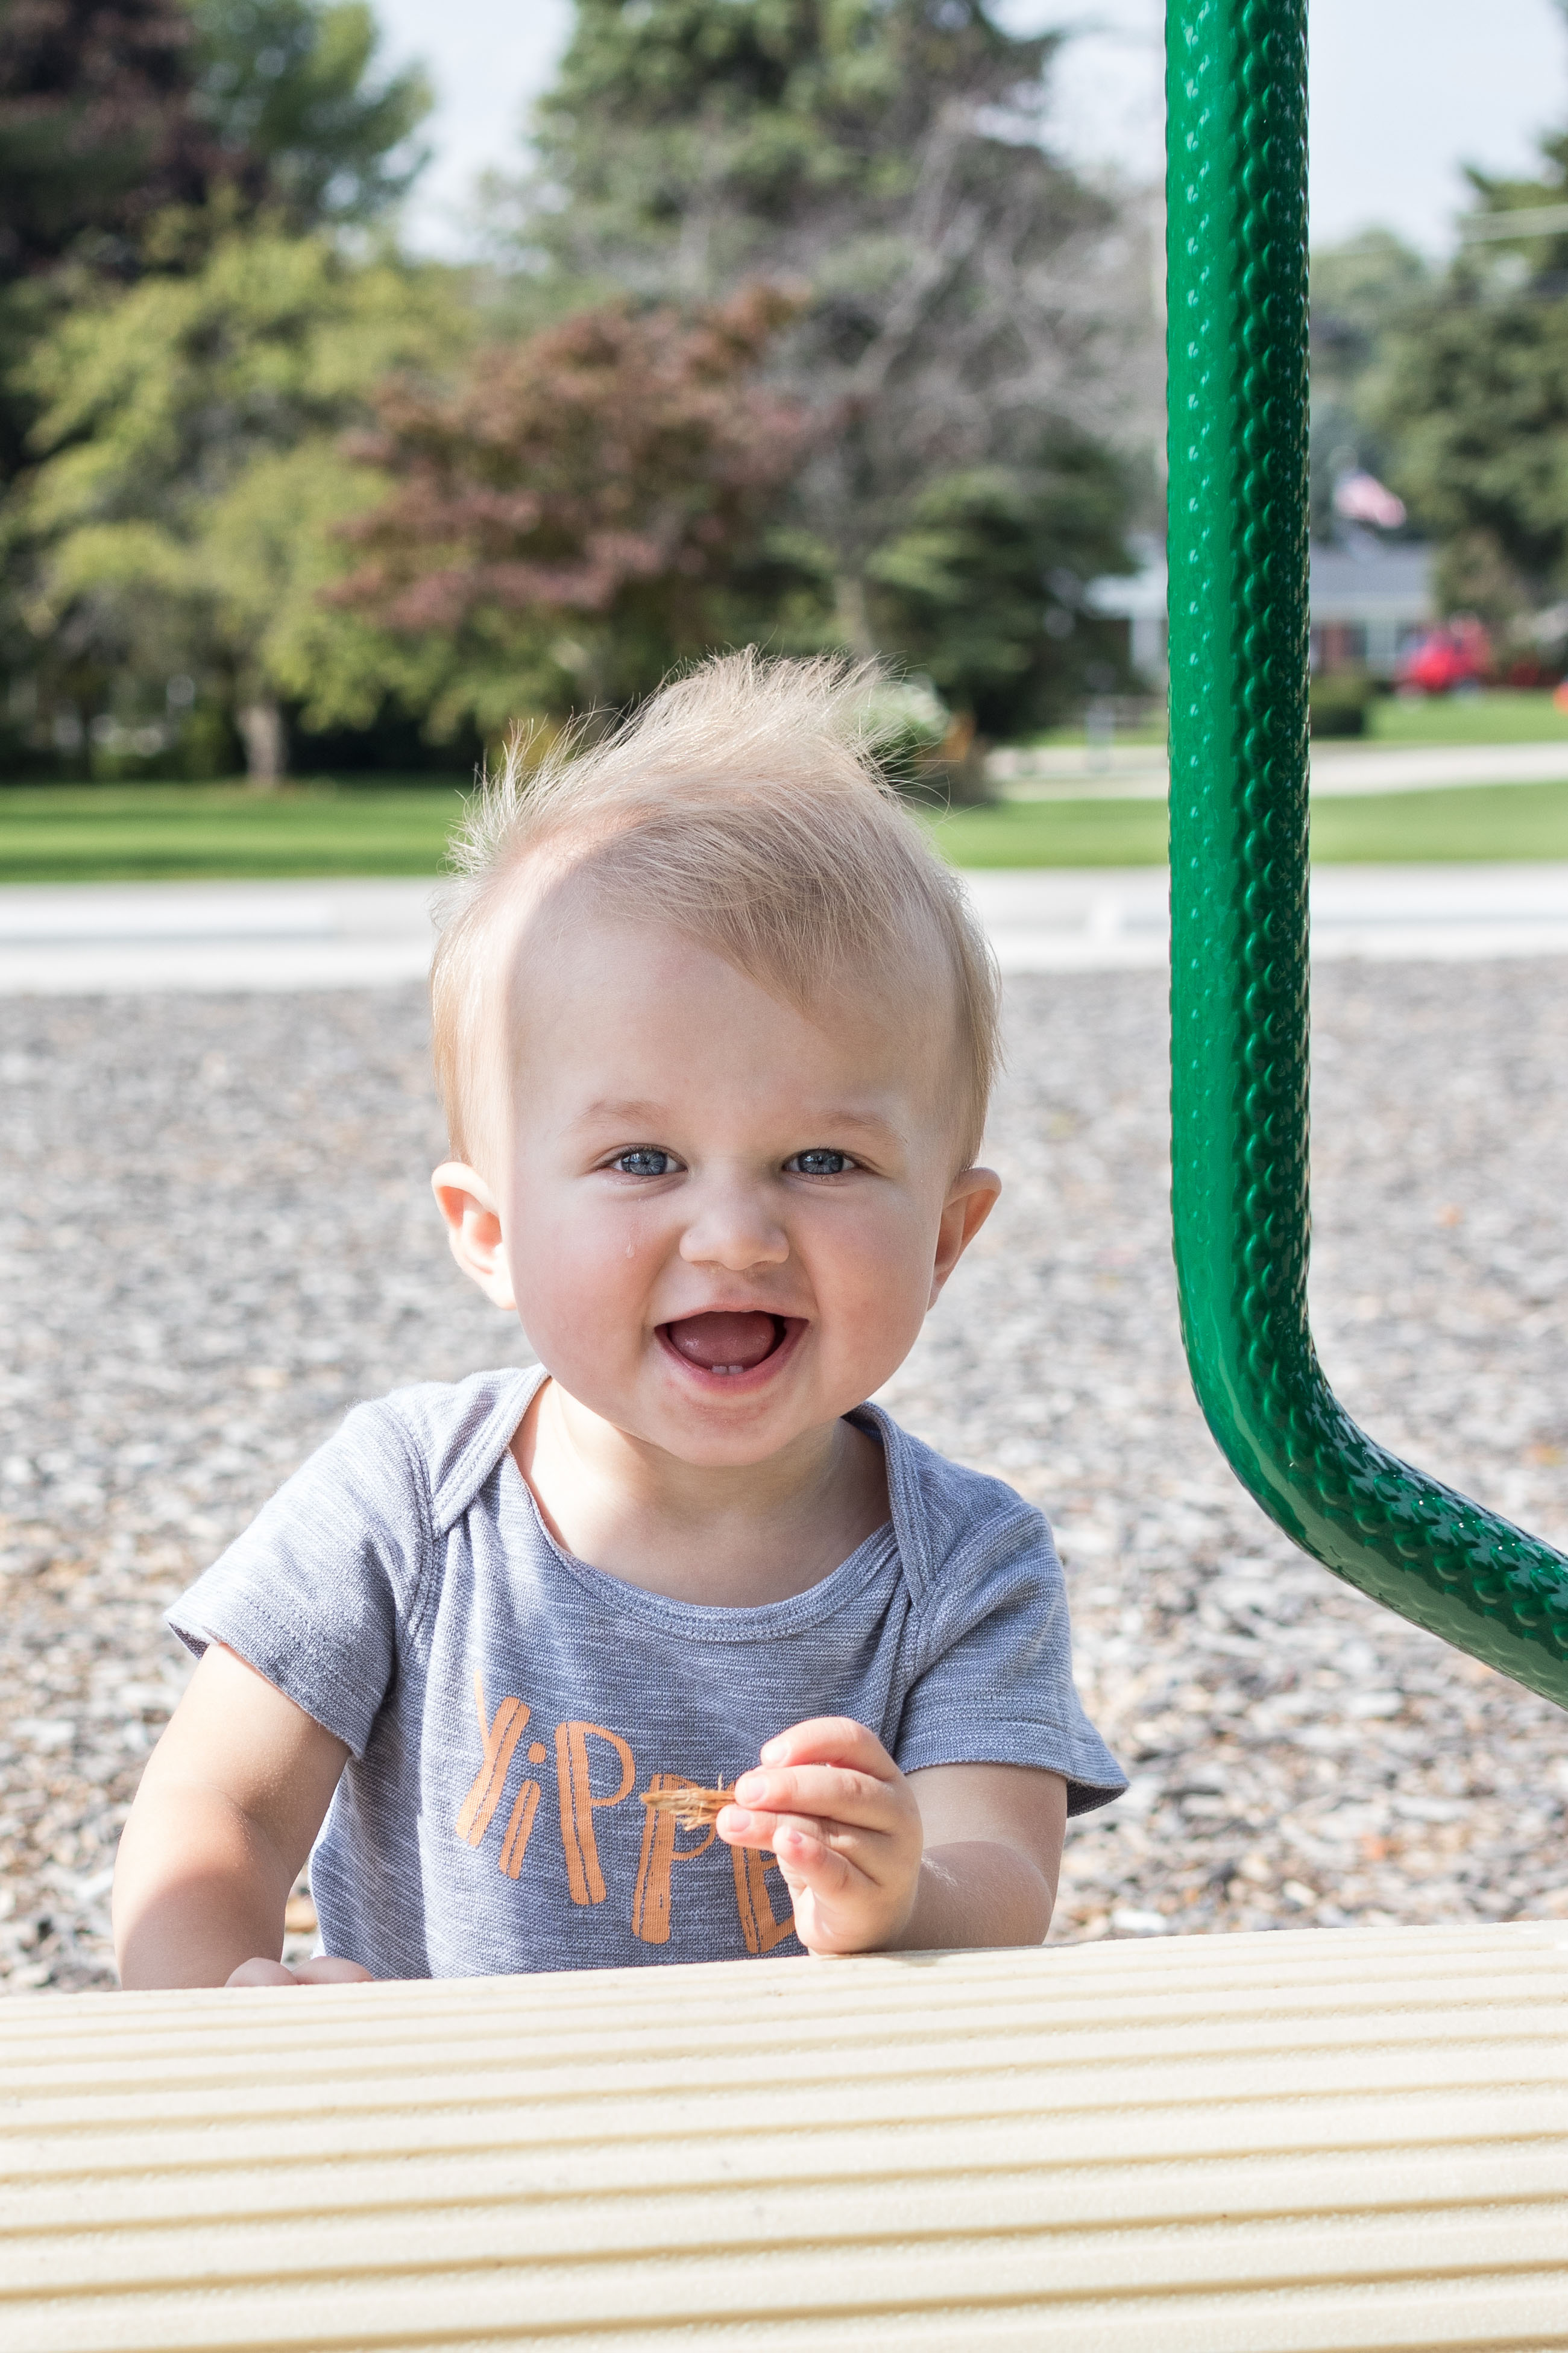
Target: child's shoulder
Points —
{"points": [[946, 1514], [449, 1434]]}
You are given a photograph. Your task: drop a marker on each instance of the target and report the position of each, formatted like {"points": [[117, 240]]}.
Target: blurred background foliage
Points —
{"points": [[789, 329], [1451, 384]]}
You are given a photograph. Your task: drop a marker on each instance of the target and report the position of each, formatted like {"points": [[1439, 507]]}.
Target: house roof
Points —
{"points": [[1363, 578]]}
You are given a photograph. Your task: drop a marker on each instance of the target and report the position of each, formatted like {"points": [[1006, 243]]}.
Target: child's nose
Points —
{"points": [[734, 1227]]}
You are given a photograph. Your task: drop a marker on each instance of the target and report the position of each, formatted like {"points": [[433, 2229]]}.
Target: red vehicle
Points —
{"points": [[1456, 654]]}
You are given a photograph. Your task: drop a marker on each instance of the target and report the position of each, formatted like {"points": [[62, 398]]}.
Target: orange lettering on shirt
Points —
{"points": [[499, 1739], [758, 1925], [650, 1904], [514, 1846], [585, 1879]]}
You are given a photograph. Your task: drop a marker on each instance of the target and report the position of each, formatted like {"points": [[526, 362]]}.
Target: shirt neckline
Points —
{"points": [[708, 1620]]}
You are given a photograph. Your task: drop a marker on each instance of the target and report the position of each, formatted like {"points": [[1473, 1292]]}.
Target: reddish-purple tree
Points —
{"points": [[585, 508]]}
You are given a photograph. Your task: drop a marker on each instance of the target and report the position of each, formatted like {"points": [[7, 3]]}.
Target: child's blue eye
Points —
{"points": [[644, 1160], [820, 1164]]}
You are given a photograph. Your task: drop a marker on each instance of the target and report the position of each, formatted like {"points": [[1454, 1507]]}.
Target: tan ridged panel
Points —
{"points": [[1281, 2144]]}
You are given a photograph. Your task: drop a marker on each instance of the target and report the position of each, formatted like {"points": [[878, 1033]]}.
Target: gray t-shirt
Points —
{"points": [[505, 1706]]}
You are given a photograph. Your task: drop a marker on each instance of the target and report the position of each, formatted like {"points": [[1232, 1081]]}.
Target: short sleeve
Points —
{"points": [[995, 1683], [311, 1594]]}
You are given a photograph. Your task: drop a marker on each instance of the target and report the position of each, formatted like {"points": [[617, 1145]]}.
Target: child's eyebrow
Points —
{"points": [[869, 1122], [621, 1109], [637, 1111]]}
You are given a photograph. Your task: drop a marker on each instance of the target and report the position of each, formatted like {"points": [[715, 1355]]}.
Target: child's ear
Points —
{"points": [[473, 1229], [971, 1197]]}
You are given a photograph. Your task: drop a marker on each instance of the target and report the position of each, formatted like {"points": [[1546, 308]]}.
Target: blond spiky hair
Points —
{"points": [[743, 806]]}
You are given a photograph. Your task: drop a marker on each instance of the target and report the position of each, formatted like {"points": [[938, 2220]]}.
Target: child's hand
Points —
{"points": [[843, 1821], [320, 1971]]}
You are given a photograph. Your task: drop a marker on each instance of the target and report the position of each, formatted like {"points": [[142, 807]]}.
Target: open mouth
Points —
{"points": [[728, 1343]]}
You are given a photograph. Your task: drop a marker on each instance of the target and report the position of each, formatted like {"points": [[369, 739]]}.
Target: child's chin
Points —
{"points": [[731, 1449], [733, 1431]]}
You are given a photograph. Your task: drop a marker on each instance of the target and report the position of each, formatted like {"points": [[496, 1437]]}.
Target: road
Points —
{"points": [[84, 939]]}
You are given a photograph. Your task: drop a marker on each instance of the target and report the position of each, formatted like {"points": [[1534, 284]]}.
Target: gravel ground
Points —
{"points": [[215, 1235]]}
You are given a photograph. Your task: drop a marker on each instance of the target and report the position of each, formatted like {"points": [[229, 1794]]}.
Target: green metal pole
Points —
{"points": [[1237, 77]]}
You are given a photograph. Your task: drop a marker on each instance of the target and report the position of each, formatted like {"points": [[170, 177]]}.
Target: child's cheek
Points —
{"points": [[878, 1271], [548, 1263], [585, 1282]]}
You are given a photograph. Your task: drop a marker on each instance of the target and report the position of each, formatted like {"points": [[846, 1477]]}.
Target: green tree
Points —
{"points": [[1363, 292], [961, 587], [290, 90], [1473, 395], [888, 158], [184, 513], [112, 111], [582, 511], [95, 128], [135, 135]]}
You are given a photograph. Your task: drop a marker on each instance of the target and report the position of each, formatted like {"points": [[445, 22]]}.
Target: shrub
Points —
{"points": [[1340, 702]]}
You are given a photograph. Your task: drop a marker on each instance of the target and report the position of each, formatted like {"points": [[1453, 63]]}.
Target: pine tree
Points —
{"points": [[95, 128], [112, 111], [291, 93], [888, 158], [1473, 396]]}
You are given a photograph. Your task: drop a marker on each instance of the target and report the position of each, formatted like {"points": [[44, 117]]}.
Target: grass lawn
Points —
{"points": [[1068, 739], [111, 833], [1478, 823], [1504, 714], [1055, 833], [127, 833]]}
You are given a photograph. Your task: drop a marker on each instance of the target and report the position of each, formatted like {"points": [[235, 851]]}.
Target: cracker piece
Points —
{"points": [[693, 1807]]}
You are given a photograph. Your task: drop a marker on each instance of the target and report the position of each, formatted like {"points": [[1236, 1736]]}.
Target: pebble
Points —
{"points": [[216, 1234]]}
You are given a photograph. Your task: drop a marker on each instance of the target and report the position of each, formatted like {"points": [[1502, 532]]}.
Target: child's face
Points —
{"points": [[721, 1221]]}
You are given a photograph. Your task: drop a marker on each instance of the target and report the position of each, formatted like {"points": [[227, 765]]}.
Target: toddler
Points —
{"points": [[715, 1031]]}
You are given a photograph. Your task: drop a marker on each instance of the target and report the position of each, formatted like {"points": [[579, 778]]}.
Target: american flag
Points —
{"points": [[1361, 498]]}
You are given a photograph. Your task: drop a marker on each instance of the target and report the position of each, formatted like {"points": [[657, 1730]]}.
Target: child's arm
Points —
{"points": [[229, 1804], [877, 1860]]}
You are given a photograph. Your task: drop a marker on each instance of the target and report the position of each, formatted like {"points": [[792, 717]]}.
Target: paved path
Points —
{"points": [[79, 939], [1139, 771], [1093, 920], [114, 938]]}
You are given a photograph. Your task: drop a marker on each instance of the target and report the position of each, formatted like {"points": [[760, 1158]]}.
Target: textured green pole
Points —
{"points": [[1236, 74]]}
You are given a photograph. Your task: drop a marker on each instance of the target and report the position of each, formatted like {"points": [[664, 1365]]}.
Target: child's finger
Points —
{"points": [[262, 1972], [869, 1859], [743, 1826], [811, 1867], [832, 1793], [830, 1740], [323, 1970]]}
